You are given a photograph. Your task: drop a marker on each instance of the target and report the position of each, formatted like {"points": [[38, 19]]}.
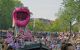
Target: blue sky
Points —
{"points": [[43, 8]]}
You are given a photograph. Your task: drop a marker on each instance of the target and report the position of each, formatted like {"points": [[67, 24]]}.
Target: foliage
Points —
{"points": [[39, 25], [69, 13], [6, 8]]}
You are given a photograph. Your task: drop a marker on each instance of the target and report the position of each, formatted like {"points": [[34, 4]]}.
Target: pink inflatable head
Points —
{"points": [[21, 16]]}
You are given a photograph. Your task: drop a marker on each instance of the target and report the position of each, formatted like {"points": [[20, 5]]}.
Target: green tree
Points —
{"points": [[69, 13], [6, 8], [39, 25]]}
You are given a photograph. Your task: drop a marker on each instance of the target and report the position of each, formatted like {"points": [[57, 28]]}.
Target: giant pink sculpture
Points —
{"points": [[21, 16]]}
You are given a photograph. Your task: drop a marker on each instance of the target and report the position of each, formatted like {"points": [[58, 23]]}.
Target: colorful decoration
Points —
{"points": [[21, 16]]}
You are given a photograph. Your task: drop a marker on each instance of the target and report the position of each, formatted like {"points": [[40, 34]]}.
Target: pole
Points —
{"points": [[70, 31], [70, 28], [34, 25]]}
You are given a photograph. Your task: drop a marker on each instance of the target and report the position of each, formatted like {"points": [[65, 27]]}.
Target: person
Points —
{"points": [[10, 48], [4, 45], [78, 46], [67, 46]]}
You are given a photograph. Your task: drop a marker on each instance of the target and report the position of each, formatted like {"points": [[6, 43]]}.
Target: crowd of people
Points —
{"points": [[54, 40]]}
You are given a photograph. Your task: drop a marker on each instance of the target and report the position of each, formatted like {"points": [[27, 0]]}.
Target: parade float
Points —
{"points": [[21, 38]]}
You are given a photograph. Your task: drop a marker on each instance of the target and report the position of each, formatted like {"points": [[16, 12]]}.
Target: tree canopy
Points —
{"points": [[6, 8], [69, 13]]}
